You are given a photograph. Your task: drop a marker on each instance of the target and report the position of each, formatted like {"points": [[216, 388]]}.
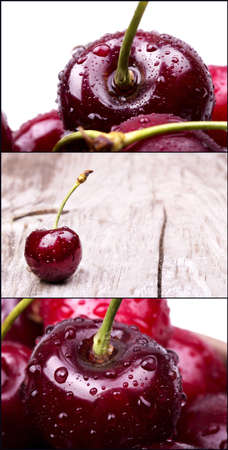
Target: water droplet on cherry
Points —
{"points": [[61, 375], [149, 363]]}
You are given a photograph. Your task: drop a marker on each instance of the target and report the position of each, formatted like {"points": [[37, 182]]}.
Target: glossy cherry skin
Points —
{"points": [[77, 403], [201, 368], [39, 134], [219, 78], [204, 422], [169, 75], [185, 141], [150, 315], [24, 330], [53, 255], [6, 135], [16, 427]]}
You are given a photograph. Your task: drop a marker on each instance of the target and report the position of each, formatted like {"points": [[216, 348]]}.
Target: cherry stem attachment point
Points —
{"points": [[101, 341], [19, 308], [81, 179], [116, 140], [123, 76]]}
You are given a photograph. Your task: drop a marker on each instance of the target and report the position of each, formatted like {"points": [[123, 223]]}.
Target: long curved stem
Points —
{"points": [[19, 308], [118, 140], [101, 340], [79, 181], [123, 76]]}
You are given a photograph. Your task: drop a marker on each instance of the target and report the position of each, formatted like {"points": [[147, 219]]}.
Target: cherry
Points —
{"points": [[16, 427], [6, 135], [24, 330], [54, 255], [219, 78], [204, 422], [186, 141], [150, 315], [90, 387], [146, 133], [201, 368], [109, 81], [39, 134]]}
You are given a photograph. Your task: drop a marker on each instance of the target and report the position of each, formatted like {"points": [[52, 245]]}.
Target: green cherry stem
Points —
{"points": [[16, 311], [139, 135], [101, 341], [81, 179], [123, 76], [116, 141]]}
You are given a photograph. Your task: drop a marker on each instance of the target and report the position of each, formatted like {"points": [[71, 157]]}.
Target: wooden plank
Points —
{"points": [[119, 213]]}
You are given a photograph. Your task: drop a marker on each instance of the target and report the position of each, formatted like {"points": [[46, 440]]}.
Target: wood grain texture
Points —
{"points": [[147, 223]]}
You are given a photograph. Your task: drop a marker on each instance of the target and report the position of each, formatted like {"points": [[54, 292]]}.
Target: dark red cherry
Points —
{"points": [[219, 78], [78, 402], [150, 315], [15, 424], [53, 255], [39, 134], [169, 77], [204, 422], [201, 368], [6, 135], [24, 330], [185, 141]]}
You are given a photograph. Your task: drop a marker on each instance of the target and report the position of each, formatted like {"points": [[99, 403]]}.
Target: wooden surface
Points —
{"points": [[150, 224]]}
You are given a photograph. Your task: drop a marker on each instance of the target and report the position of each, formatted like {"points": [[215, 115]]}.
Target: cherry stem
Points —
{"points": [[101, 341], [123, 76], [81, 179], [118, 140], [16, 311]]}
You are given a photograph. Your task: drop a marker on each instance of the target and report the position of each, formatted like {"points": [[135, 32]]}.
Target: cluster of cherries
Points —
{"points": [[70, 380], [129, 82]]}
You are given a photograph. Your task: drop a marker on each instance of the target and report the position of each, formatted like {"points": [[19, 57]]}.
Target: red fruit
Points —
{"points": [[23, 330], [76, 402], [6, 135], [169, 77], [185, 141], [204, 422], [16, 427], [150, 315], [219, 78], [53, 255], [201, 368], [39, 134]]}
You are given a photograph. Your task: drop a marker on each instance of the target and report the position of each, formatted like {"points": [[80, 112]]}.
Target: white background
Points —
{"points": [[38, 37], [204, 316]]}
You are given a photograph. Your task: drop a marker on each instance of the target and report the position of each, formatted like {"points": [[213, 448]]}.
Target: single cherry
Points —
{"points": [[219, 78], [54, 255], [126, 74], [147, 133], [204, 422], [39, 134], [201, 368], [24, 330], [16, 426], [6, 135], [150, 315], [88, 386]]}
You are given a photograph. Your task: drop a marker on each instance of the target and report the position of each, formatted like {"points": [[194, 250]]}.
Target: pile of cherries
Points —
{"points": [[146, 385], [125, 82]]}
